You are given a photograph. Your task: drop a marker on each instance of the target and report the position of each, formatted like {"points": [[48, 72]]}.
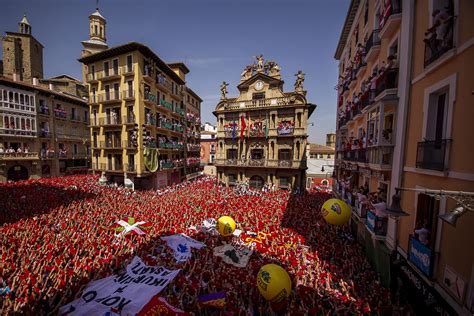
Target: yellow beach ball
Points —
{"points": [[336, 212], [225, 225], [274, 283]]}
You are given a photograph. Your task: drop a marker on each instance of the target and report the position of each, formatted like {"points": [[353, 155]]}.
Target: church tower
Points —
{"points": [[97, 41], [22, 53]]}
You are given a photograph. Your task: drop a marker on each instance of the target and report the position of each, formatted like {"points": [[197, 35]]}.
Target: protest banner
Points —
{"points": [[126, 292]]}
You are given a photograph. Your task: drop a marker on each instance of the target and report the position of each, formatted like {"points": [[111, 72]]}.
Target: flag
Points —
{"points": [[182, 246], [213, 299], [266, 126], [233, 130], [158, 306], [236, 257], [243, 126], [248, 119], [128, 225]]}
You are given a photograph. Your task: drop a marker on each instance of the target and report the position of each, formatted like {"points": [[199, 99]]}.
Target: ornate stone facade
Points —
{"points": [[261, 134]]}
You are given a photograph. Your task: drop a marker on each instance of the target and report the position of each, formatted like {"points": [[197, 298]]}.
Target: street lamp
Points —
{"points": [[465, 201]]}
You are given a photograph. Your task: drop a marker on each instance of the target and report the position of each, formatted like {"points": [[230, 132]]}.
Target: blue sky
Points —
{"points": [[215, 38]]}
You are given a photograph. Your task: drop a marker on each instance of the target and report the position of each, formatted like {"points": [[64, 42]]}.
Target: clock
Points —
{"points": [[259, 85]]}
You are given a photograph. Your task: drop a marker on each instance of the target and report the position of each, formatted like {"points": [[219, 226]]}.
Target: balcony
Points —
{"points": [[421, 256], [432, 154], [162, 83], [128, 95], [19, 156], [111, 144], [376, 224], [179, 111], [372, 47], [166, 165], [390, 20], [110, 97], [129, 119], [43, 110], [166, 104], [169, 145], [148, 97], [111, 74], [92, 77], [356, 155], [380, 158], [164, 124], [435, 48], [44, 134], [259, 103], [75, 117], [93, 99], [130, 167], [387, 84], [129, 144], [293, 164], [110, 120], [285, 129], [128, 70], [60, 113]]}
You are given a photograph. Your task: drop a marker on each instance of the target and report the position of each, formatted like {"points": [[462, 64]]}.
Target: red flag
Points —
{"points": [[243, 126], [159, 306]]}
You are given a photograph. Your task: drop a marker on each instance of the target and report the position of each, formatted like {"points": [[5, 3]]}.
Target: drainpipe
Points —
{"points": [[404, 79]]}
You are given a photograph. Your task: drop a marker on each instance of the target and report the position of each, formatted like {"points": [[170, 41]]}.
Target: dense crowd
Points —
{"points": [[54, 240]]}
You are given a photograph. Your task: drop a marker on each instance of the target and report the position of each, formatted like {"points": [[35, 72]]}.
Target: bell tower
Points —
{"points": [[22, 53], [97, 41]]}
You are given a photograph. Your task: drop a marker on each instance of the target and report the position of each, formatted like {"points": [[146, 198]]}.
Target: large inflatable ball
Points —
{"points": [[274, 283], [225, 225], [336, 212]]}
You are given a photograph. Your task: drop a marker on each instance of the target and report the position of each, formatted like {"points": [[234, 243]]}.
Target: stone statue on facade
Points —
{"points": [[299, 81], [247, 73], [273, 68], [224, 90], [260, 63]]}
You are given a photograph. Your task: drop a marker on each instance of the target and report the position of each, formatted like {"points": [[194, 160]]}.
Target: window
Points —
{"points": [[231, 153], [393, 50], [106, 68], [283, 182], [436, 122], [256, 154], [258, 96], [74, 149], [426, 220], [284, 154], [115, 64], [232, 178], [129, 63], [95, 29]]}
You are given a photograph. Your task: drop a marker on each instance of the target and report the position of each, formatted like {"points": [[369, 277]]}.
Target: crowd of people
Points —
{"points": [[54, 240]]}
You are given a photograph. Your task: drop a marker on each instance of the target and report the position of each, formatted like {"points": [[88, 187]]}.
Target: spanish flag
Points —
{"points": [[213, 299]]}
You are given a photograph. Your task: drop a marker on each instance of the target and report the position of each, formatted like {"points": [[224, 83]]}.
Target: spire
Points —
{"points": [[24, 25]]}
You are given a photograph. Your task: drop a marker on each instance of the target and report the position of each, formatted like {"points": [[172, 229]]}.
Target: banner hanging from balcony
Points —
{"points": [[150, 156], [285, 128], [243, 126]]}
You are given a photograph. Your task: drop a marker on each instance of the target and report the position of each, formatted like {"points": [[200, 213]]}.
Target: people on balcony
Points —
{"points": [[422, 233], [437, 36]]}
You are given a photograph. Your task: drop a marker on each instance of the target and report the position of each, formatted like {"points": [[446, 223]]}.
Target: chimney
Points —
{"points": [[35, 81], [50, 86], [15, 77]]}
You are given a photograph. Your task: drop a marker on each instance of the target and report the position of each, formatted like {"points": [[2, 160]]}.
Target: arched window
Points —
{"points": [[101, 33], [95, 29]]}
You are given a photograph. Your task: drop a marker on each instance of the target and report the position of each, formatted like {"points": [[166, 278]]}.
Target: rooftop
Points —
{"points": [[130, 47]]}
